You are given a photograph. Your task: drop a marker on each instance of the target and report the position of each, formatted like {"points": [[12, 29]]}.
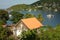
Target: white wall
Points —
{"points": [[19, 28]]}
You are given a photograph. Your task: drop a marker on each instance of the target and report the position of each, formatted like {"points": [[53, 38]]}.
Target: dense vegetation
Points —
{"points": [[16, 16], [5, 33], [43, 33], [20, 7], [53, 5], [3, 16]]}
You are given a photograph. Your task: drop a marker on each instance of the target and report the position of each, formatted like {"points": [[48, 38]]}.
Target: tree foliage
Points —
{"points": [[49, 34], [5, 33], [16, 16], [20, 7], [3, 16], [29, 35], [39, 17], [53, 5], [27, 15]]}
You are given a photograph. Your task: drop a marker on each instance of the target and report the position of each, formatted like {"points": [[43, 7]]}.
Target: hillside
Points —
{"points": [[53, 5], [20, 7]]}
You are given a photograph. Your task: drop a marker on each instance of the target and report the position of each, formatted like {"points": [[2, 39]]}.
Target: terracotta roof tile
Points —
{"points": [[32, 23]]}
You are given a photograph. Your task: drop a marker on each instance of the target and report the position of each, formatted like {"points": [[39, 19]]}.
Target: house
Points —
{"points": [[26, 24]]}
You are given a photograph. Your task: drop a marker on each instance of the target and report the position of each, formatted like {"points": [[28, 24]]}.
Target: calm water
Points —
{"points": [[50, 18]]}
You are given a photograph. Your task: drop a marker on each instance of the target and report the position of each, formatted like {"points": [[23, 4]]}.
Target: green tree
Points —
{"points": [[3, 16], [53, 4], [28, 35], [5, 33], [27, 15], [49, 34], [16, 16], [39, 17], [58, 27], [2, 22], [57, 32]]}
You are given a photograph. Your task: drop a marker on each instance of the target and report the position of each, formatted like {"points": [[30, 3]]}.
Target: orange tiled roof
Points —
{"points": [[32, 23]]}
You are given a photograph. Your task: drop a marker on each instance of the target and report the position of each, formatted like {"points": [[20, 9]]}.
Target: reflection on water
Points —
{"points": [[49, 16]]}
